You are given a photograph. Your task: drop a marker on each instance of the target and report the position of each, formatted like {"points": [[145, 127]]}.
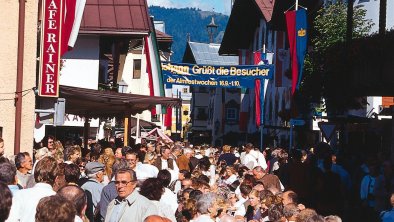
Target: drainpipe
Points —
{"points": [[19, 77]]}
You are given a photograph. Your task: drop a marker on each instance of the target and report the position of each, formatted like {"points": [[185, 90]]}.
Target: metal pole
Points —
{"points": [[296, 5], [261, 137], [291, 137], [19, 77], [86, 127], [138, 133], [176, 115]]}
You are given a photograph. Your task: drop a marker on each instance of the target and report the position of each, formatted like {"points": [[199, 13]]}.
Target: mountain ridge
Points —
{"points": [[193, 21]]}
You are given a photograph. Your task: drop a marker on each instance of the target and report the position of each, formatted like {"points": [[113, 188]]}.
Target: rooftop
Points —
{"points": [[205, 53], [116, 17]]}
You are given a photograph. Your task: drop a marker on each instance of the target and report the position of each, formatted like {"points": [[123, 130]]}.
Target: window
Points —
{"points": [[231, 114], [202, 114], [136, 68], [185, 90]]}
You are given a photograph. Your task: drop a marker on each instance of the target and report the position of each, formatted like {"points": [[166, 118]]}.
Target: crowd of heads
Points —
{"points": [[224, 183]]}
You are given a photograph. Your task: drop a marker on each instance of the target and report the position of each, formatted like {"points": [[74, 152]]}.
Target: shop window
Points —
{"points": [[231, 114], [137, 69]]}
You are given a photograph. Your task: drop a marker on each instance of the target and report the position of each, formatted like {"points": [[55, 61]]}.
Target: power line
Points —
{"points": [[18, 92], [27, 92]]}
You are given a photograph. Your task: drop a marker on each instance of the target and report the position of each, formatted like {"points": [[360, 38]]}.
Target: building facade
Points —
{"points": [[9, 62]]}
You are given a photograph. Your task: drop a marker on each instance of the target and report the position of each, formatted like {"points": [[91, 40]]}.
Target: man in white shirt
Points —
{"points": [[24, 165], [25, 201], [168, 197], [253, 157], [143, 171], [166, 163]]}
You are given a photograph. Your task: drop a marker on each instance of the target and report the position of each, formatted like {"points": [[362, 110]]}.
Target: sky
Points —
{"points": [[221, 6]]}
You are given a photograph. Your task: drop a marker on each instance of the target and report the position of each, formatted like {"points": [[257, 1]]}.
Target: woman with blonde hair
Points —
{"points": [[73, 154], [150, 158], [108, 159], [254, 210], [58, 151], [230, 175]]}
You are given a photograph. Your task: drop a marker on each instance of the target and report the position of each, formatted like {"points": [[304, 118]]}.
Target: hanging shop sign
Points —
{"points": [[50, 48], [215, 76]]}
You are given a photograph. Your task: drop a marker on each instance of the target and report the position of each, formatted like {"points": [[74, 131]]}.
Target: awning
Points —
{"points": [[159, 133], [96, 103]]}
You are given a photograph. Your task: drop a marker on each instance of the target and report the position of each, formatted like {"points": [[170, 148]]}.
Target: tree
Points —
{"points": [[329, 29]]}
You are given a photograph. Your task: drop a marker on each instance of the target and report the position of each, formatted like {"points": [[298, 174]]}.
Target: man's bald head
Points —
{"points": [[289, 197], [155, 218], [76, 195], [227, 218]]}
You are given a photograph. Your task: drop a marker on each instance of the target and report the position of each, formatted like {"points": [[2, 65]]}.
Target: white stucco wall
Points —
{"points": [[8, 63], [81, 65]]}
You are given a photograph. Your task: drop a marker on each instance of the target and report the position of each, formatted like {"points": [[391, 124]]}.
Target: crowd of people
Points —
{"points": [[164, 181]]}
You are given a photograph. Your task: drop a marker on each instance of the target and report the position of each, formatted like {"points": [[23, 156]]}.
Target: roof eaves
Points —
{"points": [[113, 32], [266, 8]]}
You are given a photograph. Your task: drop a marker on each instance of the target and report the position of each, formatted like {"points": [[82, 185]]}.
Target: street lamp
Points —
{"points": [[211, 29]]}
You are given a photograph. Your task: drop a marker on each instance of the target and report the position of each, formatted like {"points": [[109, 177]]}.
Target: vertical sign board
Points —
{"points": [[50, 48]]}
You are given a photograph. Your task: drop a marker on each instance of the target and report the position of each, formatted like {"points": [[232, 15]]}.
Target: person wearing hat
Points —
{"points": [[95, 173]]}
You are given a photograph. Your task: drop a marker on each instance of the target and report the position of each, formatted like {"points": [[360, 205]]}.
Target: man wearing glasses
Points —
{"points": [[129, 204]]}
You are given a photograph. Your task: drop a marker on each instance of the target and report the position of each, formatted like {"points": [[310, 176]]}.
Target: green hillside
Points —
{"points": [[180, 22]]}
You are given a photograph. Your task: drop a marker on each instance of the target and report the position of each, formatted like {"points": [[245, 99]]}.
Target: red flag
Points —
{"points": [[149, 70], [168, 118], [68, 22], [257, 57], [291, 32]]}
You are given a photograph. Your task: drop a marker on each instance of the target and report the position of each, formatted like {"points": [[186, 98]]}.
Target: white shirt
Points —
{"points": [[250, 160], [240, 209], [78, 219], [203, 218], [255, 158], [261, 160], [164, 210], [169, 198], [174, 172], [231, 179], [145, 171], [25, 202], [164, 165]]}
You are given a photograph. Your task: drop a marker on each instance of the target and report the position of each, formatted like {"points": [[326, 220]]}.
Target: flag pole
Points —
{"points": [[296, 5], [262, 111]]}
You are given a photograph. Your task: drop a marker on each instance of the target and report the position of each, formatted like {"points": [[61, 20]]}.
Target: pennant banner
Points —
{"points": [[259, 95], [215, 76], [297, 34]]}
